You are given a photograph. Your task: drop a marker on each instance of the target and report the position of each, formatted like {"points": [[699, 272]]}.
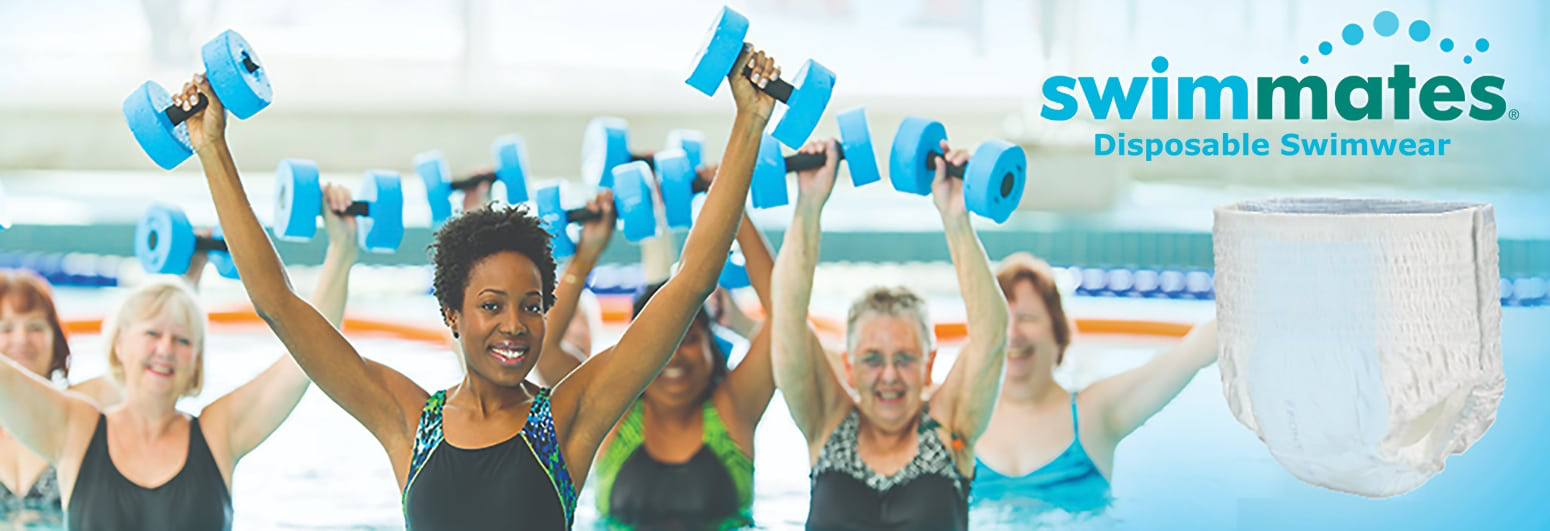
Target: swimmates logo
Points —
{"points": [[1440, 98]]}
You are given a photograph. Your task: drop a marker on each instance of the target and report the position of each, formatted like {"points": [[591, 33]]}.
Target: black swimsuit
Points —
{"points": [[195, 499], [519, 483], [929, 493]]}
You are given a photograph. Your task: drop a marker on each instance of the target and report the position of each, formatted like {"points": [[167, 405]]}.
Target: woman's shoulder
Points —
{"points": [[101, 391]]}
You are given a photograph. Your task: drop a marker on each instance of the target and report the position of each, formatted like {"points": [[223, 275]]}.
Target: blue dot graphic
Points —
{"points": [[1419, 30], [1468, 59], [1304, 59], [1325, 48], [1386, 23], [1160, 64], [1352, 34], [1482, 45], [1446, 44]]}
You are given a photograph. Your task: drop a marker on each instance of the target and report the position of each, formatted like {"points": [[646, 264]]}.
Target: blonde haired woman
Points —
{"points": [[142, 464]]}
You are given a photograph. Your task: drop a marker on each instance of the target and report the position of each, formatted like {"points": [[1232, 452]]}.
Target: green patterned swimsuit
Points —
{"points": [[712, 490]]}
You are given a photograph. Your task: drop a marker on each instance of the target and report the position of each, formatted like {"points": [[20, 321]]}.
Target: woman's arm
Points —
{"points": [[554, 363], [381, 399], [248, 415], [591, 399], [967, 397], [1127, 399], [42, 417], [752, 383], [812, 392]]}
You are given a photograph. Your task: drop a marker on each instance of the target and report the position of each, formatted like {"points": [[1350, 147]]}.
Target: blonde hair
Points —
{"points": [[160, 295], [889, 302]]}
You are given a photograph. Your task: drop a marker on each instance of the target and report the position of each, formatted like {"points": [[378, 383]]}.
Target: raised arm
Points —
{"points": [[657, 252], [40, 416], [752, 384], [249, 414], [554, 361], [376, 396], [964, 402], [591, 399], [812, 391], [1127, 399]]}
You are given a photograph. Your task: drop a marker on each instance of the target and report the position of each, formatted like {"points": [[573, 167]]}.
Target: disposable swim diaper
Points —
{"points": [[1361, 339]]}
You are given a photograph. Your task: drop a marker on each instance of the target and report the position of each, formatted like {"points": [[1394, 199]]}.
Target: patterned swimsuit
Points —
{"points": [[521, 482]]}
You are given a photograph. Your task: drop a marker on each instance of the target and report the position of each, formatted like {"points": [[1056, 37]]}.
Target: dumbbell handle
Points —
{"points": [[953, 170], [206, 243], [177, 115], [473, 181], [581, 215], [356, 208], [777, 88], [808, 161]]}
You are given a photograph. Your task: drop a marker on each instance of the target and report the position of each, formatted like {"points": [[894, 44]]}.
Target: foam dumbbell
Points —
{"points": [[299, 201], [632, 202], [769, 174], [691, 142], [992, 180], [165, 243], [605, 144], [239, 80], [510, 170], [680, 181], [805, 100]]}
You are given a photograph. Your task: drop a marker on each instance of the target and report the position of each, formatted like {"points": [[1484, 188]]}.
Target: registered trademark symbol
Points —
{"points": [[1512, 114]]}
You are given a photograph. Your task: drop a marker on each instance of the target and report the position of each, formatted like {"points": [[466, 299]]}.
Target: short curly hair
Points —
{"points": [[476, 234]]}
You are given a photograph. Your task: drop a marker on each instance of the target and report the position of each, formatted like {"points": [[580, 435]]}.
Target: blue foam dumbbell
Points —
{"points": [[769, 174], [992, 180], [632, 203], [510, 153], [805, 100], [165, 243], [299, 201], [238, 78]]}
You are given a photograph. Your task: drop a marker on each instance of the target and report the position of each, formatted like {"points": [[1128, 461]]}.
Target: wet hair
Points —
{"points": [[477, 234], [163, 294], [1023, 267], [718, 359], [889, 302], [24, 291]]}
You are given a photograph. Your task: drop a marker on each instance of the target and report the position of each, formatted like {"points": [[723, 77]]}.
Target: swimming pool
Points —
{"points": [[1190, 467]]}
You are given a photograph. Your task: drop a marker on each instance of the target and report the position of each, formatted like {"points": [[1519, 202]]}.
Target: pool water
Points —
{"points": [[1192, 466]]}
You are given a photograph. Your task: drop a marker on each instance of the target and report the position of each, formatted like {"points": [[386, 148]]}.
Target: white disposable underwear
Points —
{"points": [[1360, 339]]}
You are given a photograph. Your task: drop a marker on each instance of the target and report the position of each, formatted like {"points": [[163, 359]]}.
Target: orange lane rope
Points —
{"points": [[616, 310]]}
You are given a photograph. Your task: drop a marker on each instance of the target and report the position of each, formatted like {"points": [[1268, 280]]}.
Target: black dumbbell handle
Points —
{"points": [[953, 170], [356, 208], [177, 115], [206, 243], [580, 215], [777, 88], [473, 181], [808, 161]]}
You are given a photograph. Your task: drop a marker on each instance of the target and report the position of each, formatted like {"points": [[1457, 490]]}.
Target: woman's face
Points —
{"points": [[158, 356], [27, 338], [1031, 345], [501, 324], [889, 368], [687, 374]]}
